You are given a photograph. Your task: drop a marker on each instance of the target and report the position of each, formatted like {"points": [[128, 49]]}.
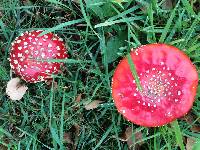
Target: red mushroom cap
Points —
{"points": [[30, 54], [169, 81]]}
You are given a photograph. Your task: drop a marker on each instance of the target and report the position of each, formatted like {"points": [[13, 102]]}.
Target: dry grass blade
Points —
{"points": [[190, 143], [92, 105]]}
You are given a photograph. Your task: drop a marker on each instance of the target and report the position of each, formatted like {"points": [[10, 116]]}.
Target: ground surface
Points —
{"points": [[99, 33]]}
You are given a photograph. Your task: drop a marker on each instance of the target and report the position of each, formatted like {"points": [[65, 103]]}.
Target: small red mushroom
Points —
{"points": [[169, 82], [30, 54]]}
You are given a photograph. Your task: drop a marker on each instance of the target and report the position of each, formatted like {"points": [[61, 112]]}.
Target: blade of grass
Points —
{"points": [[4, 30], [178, 134], [5, 132], [62, 119], [55, 135], [86, 17], [169, 22], [188, 7], [33, 137], [134, 73], [103, 137], [124, 13], [60, 26], [190, 32], [109, 23], [150, 15], [116, 132], [58, 3]]}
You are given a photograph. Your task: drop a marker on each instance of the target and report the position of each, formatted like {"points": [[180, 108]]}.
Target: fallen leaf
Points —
{"points": [[68, 138], [167, 4], [92, 105], [190, 143], [78, 98], [143, 8], [50, 82], [2, 147], [189, 118], [195, 128], [15, 90], [131, 138]]}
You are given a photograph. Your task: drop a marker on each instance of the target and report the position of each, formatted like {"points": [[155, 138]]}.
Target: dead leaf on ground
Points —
{"points": [[78, 98], [92, 105], [50, 82], [2, 147], [15, 90], [143, 8], [195, 128], [190, 143], [132, 139], [167, 4], [67, 138], [72, 136], [189, 118]]}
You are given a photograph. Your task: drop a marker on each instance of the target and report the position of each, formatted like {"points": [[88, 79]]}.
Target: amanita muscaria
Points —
{"points": [[30, 55], [169, 82]]}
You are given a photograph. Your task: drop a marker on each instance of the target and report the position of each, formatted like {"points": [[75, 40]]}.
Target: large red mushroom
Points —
{"points": [[169, 82], [30, 55]]}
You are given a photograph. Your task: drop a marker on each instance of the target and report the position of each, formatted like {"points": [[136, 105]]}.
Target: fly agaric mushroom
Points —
{"points": [[169, 82], [30, 54]]}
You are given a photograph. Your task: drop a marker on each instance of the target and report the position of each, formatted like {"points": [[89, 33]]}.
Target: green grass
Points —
{"points": [[98, 33]]}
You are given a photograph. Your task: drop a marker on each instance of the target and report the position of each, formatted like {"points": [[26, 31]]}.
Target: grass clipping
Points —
{"points": [[15, 90]]}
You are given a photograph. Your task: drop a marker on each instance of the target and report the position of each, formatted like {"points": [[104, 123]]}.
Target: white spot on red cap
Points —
{"points": [[15, 62], [58, 48], [46, 36], [43, 55], [49, 45], [123, 111], [13, 67], [19, 55], [60, 39], [19, 48], [162, 63], [36, 52], [18, 41]]}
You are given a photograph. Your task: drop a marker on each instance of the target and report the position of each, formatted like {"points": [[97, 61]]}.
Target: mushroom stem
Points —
{"points": [[134, 72]]}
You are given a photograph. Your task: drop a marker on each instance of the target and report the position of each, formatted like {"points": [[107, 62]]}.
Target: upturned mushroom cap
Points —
{"points": [[29, 55], [169, 81]]}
